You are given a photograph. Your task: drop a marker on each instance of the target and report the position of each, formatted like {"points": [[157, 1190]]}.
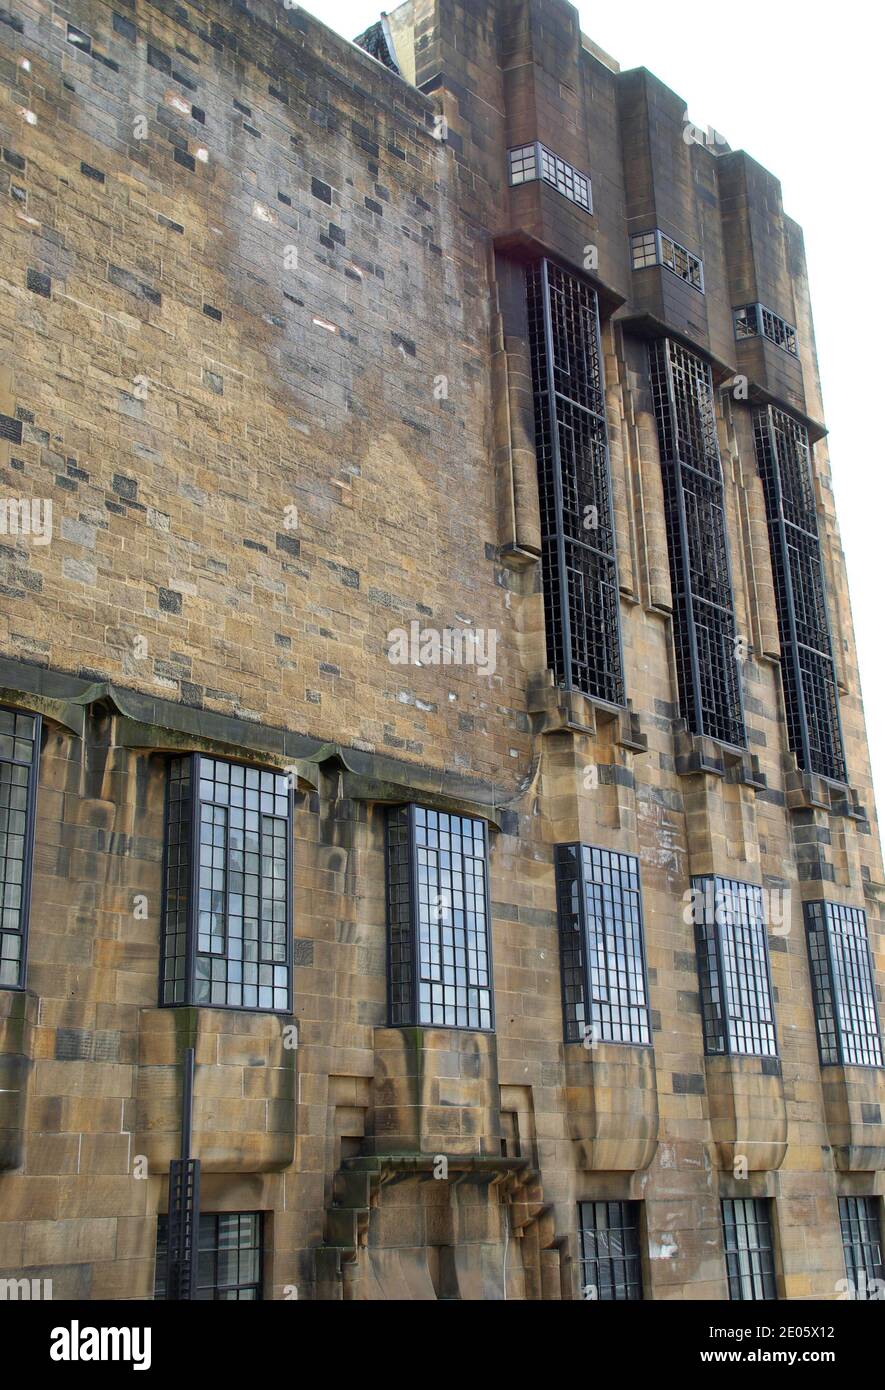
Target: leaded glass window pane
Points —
{"points": [[19, 757], [229, 1264], [602, 950], [439, 955], [749, 1248], [228, 883], [859, 1218], [842, 978], [733, 967], [611, 1264]]}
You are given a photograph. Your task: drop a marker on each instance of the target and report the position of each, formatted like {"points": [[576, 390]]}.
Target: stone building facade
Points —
{"points": [[438, 826]]}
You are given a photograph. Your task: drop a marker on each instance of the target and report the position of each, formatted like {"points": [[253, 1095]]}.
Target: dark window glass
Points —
{"points": [[842, 980], [229, 1258], [611, 1265], [227, 915], [752, 319], [602, 952], [694, 501], [581, 600], [862, 1243], [808, 674], [440, 968], [733, 967], [19, 758], [749, 1250]]}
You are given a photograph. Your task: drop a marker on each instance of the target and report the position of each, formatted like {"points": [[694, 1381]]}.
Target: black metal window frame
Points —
{"points": [[860, 1220], [734, 968], [579, 550], [748, 1233], [808, 669], [533, 161], [439, 939], [843, 985], [182, 977], [704, 625], [755, 320], [20, 734], [610, 1235], [211, 1234], [655, 247], [602, 946]]}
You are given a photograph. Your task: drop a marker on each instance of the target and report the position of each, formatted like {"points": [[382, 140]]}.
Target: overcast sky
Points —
{"points": [[799, 87]]}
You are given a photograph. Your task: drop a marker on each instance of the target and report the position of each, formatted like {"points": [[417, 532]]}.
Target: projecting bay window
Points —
{"points": [[749, 1249], [843, 985], [19, 759], [611, 1263], [753, 320], [733, 966], [808, 673], [528, 163], [656, 248], [439, 946], [862, 1244], [579, 565], [227, 916], [602, 952], [704, 632]]}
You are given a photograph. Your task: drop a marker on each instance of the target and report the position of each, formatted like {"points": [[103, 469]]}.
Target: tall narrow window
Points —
{"points": [[862, 1243], [19, 758], [734, 969], [602, 952], [439, 955], [581, 602], [749, 1248], [694, 502], [611, 1265], [842, 980], [227, 920], [229, 1259], [808, 672]]}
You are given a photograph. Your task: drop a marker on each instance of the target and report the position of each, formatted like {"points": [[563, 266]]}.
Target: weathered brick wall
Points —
{"points": [[181, 385], [184, 386]]}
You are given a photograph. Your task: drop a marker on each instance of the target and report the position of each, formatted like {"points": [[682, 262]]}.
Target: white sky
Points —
{"points": [[798, 85]]}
